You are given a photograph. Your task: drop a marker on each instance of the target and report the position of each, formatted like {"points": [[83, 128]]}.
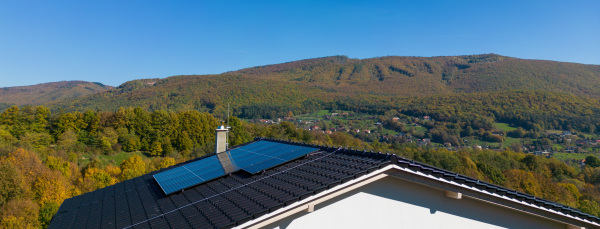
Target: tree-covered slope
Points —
{"points": [[308, 83], [48, 92]]}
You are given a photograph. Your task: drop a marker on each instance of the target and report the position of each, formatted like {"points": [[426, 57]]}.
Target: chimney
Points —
{"points": [[221, 137], [221, 149]]}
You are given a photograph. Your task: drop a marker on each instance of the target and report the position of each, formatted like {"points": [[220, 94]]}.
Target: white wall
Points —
{"points": [[395, 203]]}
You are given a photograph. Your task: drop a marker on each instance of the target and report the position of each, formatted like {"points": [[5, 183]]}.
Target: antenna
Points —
{"points": [[228, 128]]}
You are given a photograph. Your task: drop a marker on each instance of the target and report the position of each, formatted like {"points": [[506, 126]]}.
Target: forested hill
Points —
{"points": [[427, 76], [48, 92], [314, 82]]}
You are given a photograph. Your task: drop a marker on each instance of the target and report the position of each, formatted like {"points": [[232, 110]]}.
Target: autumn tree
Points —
{"points": [[19, 213], [12, 184], [132, 167]]}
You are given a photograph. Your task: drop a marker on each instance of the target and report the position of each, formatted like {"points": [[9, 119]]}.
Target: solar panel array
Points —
{"points": [[253, 158], [185, 176]]}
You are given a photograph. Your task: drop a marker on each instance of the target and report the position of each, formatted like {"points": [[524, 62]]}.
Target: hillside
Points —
{"points": [[48, 92], [314, 82]]}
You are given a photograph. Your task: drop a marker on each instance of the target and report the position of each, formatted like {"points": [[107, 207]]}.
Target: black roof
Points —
{"points": [[239, 197]]}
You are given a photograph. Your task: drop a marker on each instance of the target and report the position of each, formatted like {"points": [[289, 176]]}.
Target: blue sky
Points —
{"points": [[112, 42]]}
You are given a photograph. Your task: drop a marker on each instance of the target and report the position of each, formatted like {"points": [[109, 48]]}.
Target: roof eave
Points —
{"points": [[396, 171]]}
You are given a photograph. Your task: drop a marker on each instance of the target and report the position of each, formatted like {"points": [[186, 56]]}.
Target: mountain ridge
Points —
{"points": [[323, 80], [48, 92]]}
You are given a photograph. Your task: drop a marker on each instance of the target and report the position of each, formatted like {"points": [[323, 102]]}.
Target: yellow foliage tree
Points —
{"points": [[19, 214], [96, 178], [27, 162], [50, 186], [58, 164], [166, 162], [132, 167], [522, 181]]}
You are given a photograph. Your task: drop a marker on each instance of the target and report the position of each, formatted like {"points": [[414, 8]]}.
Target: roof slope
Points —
{"points": [[239, 197], [224, 202]]}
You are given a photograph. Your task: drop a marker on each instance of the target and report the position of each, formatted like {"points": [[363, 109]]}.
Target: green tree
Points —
{"points": [[589, 206], [47, 211], [238, 134], [592, 161], [42, 115]]}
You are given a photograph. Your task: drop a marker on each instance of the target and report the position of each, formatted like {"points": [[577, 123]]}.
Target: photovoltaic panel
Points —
{"points": [[185, 176], [263, 155], [253, 158]]}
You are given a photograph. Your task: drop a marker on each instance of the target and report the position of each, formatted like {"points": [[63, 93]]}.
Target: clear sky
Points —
{"points": [[112, 42]]}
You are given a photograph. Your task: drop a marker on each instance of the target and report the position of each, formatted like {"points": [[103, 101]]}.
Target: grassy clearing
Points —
{"points": [[558, 147], [321, 113], [591, 136], [553, 131], [420, 129], [508, 141], [570, 156], [504, 126]]}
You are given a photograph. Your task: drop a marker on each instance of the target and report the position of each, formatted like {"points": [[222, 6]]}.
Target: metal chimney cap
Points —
{"points": [[222, 127]]}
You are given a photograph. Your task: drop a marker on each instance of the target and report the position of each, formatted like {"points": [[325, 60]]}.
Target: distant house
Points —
{"points": [[395, 119], [426, 118], [267, 121], [569, 150], [424, 141], [367, 131], [567, 133]]}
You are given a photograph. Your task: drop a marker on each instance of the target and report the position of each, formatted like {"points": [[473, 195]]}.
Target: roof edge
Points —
{"points": [[396, 171]]}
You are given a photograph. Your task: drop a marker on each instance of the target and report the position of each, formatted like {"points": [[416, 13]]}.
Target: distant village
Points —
{"points": [[371, 128]]}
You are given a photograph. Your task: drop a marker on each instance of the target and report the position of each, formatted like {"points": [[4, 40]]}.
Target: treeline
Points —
{"points": [[128, 129]]}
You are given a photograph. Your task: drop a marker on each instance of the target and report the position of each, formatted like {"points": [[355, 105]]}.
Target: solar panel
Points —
{"points": [[263, 155], [253, 158], [185, 176]]}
